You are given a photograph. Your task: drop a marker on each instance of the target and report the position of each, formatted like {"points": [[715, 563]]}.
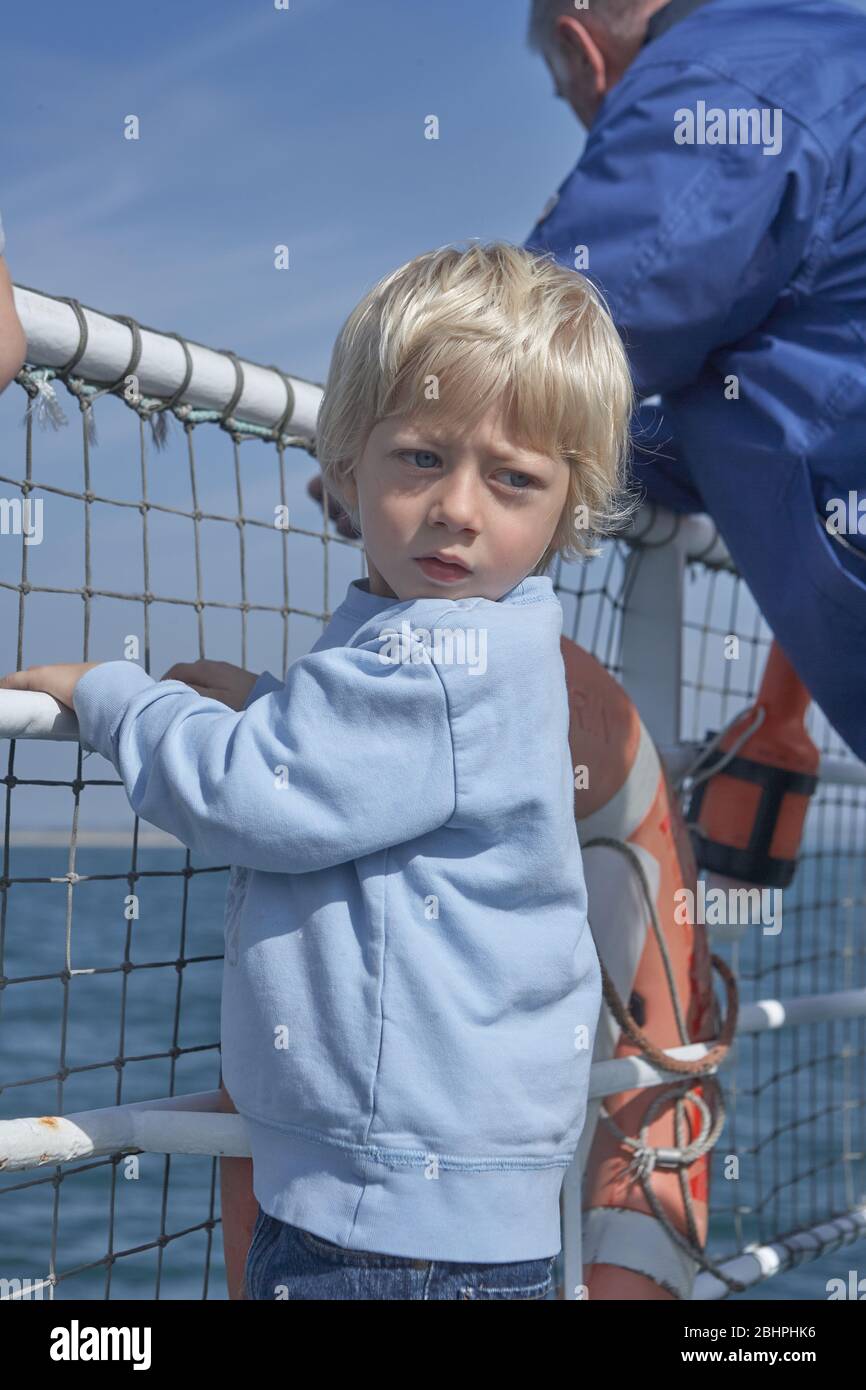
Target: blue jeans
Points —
{"points": [[286, 1262]]}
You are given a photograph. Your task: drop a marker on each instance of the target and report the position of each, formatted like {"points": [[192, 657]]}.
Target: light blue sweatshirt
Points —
{"points": [[411, 989]]}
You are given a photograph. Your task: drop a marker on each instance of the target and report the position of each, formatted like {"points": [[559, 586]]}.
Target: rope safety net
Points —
{"points": [[111, 934]]}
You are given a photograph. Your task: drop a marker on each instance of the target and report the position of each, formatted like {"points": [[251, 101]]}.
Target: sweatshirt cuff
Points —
{"points": [[99, 699], [265, 685]]}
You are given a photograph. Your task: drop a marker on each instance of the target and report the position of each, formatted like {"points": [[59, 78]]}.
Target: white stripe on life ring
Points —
{"points": [[633, 1240], [619, 920], [629, 807]]}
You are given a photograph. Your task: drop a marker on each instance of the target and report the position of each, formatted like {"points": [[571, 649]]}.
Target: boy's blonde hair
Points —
{"points": [[490, 324]]}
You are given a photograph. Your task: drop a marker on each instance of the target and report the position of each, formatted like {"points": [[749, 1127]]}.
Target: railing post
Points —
{"points": [[652, 632]]}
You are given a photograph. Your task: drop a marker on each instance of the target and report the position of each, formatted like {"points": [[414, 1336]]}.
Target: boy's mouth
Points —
{"points": [[442, 570]]}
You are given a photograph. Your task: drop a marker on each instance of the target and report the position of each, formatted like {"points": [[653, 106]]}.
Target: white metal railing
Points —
{"points": [[53, 337], [760, 1262]]}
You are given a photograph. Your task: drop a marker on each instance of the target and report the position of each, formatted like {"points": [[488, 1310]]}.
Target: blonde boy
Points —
{"points": [[411, 988]]}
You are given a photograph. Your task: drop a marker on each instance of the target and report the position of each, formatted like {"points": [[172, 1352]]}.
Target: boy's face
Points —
{"points": [[473, 495]]}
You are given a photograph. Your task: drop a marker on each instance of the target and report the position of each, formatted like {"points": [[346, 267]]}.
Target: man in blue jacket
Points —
{"points": [[720, 206]]}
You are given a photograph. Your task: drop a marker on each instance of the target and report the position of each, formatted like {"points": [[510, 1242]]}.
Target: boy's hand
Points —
{"points": [[59, 681], [218, 680]]}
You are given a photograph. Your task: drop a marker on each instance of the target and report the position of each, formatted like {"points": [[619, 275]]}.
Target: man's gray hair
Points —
{"points": [[626, 19]]}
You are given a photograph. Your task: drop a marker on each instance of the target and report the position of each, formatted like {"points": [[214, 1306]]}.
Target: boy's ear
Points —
{"points": [[336, 510], [350, 490]]}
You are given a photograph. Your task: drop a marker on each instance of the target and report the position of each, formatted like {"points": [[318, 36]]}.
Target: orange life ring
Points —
{"points": [[658, 994]]}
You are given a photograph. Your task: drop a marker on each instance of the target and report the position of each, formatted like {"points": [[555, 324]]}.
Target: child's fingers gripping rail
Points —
{"points": [[217, 680]]}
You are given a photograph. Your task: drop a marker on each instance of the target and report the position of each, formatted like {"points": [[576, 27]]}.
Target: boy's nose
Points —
{"points": [[456, 502]]}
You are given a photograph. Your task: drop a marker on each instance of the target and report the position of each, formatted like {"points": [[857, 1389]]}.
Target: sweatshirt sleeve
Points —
{"points": [[349, 755]]}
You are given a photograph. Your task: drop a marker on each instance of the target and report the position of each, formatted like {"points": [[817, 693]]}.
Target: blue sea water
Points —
{"points": [[118, 1034], [87, 1024]]}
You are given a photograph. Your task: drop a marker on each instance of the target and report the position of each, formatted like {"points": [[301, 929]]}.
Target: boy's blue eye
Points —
{"points": [[428, 454], [417, 453]]}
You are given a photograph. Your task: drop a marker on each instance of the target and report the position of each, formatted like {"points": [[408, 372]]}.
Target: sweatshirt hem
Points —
{"points": [[404, 1202]]}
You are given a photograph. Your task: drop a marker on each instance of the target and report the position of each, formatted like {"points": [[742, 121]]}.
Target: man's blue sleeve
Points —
{"points": [[691, 244], [657, 464]]}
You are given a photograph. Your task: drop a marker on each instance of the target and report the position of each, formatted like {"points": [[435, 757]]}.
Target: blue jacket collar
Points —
{"points": [[667, 16]]}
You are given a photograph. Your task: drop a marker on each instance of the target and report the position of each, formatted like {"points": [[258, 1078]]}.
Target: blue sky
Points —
{"points": [[260, 127]]}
